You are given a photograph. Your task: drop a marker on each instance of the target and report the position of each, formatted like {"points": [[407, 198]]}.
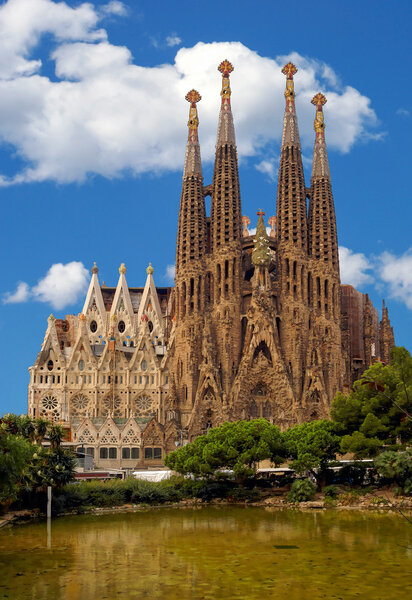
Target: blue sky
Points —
{"points": [[93, 128]]}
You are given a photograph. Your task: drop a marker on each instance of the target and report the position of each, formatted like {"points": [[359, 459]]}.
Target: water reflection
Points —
{"points": [[209, 553]]}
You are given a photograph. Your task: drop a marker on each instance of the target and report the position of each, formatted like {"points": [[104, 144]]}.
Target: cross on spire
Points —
{"points": [[289, 70], [260, 212], [319, 100], [193, 97], [225, 68]]}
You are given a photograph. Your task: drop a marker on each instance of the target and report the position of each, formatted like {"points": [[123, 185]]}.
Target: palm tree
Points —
{"points": [[41, 429]]}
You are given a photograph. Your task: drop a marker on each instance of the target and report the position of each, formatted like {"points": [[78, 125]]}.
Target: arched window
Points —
{"points": [[50, 365], [267, 410], [253, 410]]}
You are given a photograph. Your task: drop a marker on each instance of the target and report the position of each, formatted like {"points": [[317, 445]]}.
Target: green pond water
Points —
{"points": [[210, 552]]}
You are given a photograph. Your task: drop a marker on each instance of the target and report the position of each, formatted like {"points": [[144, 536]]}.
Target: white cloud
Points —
{"points": [[403, 112], [114, 8], [396, 272], [353, 267], [106, 115], [267, 167], [61, 286], [173, 40], [170, 272], [21, 294]]}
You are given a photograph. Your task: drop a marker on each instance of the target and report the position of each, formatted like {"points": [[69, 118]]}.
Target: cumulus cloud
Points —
{"points": [[103, 114], [115, 7], [354, 267], [403, 112], [396, 272], [21, 294], [267, 167], [170, 272], [173, 40], [62, 285]]}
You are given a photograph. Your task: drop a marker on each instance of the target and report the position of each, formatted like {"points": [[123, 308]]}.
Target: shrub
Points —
{"points": [[241, 494], [331, 491], [302, 490]]}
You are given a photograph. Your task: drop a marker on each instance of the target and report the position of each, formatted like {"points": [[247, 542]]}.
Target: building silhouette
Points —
{"points": [[256, 325]]}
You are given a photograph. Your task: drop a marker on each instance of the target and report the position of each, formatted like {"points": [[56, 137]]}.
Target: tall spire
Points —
{"points": [[193, 165], [226, 214], [291, 195], [320, 166], [226, 129], [323, 240], [290, 134], [191, 235], [386, 337]]}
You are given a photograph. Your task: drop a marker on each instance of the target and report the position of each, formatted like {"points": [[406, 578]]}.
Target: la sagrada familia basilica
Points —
{"points": [[256, 325]]}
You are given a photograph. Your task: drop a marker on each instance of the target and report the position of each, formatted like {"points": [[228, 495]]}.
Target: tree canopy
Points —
{"points": [[378, 409], [236, 446]]}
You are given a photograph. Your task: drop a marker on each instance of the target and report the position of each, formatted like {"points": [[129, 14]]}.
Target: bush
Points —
{"points": [[241, 494], [331, 491], [302, 490]]}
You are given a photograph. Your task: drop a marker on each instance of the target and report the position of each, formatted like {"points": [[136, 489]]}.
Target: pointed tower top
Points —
{"points": [[290, 135], [226, 130], [122, 269], [320, 166], [150, 269], [261, 255], [193, 165], [95, 270]]}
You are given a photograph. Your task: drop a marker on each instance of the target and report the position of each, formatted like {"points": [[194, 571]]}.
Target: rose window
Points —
{"points": [[113, 407], [79, 405], [143, 406], [49, 403]]}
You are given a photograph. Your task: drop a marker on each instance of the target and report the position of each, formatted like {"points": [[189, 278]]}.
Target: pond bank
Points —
{"points": [[351, 500]]}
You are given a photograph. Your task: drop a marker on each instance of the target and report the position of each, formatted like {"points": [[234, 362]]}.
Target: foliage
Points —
{"points": [[15, 454], [25, 465], [302, 490], [312, 445], [360, 445], [396, 467], [379, 407], [331, 491], [236, 446]]}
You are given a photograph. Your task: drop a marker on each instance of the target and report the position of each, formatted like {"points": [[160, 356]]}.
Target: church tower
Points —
{"points": [[324, 355], [225, 240], [292, 242], [189, 280]]}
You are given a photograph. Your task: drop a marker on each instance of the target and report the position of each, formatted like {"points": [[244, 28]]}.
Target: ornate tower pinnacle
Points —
{"points": [[320, 166], [291, 195], [226, 130], [193, 165], [191, 235], [290, 135], [323, 240]]}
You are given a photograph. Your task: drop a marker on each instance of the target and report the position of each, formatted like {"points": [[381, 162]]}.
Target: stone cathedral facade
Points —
{"points": [[256, 325]]}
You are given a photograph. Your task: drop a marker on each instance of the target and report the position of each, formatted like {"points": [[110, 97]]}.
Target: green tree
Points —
{"points": [[311, 446], [15, 456], [237, 446], [379, 406], [396, 467]]}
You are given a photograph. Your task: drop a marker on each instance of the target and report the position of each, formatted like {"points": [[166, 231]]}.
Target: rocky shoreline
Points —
{"points": [[372, 501]]}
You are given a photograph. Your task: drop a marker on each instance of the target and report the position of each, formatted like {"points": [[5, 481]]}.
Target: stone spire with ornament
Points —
{"points": [[323, 239], [291, 192], [191, 235]]}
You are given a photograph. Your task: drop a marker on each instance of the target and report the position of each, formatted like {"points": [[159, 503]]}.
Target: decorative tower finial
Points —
{"points": [[320, 166], [245, 222], [122, 269], [193, 165], [193, 97], [226, 130], [150, 269], [225, 68], [272, 223], [95, 270], [290, 135]]}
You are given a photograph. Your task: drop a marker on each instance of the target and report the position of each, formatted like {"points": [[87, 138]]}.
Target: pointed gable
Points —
{"points": [[149, 305], [131, 433], [153, 434], [122, 307], [93, 307], [86, 433], [109, 433]]}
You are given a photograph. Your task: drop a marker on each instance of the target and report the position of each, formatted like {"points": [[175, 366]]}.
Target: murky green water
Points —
{"points": [[210, 552]]}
